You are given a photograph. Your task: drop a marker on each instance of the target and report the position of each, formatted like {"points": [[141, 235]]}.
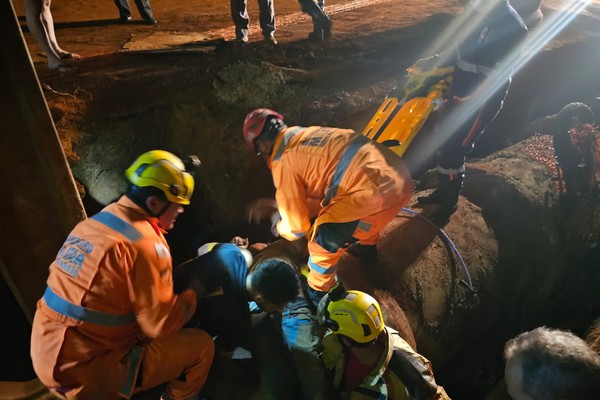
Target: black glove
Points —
{"points": [[315, 296]]}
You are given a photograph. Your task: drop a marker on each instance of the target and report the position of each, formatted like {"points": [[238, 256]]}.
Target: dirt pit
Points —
{"points": [[130, 95], [193, 98]]}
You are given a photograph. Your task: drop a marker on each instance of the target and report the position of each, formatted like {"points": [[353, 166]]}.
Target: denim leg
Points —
{"points": [[302, 336], [124, 10], [143, 7], [274, 363]]}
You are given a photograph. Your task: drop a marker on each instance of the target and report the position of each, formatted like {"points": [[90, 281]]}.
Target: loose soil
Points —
{"points": [[193, 99]]}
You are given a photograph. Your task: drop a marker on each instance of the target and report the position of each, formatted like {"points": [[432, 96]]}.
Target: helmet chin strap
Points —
{"points": [[270, 131], [162, 210]]}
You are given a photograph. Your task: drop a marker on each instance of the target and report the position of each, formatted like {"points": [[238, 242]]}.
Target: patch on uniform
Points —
{"points": [[71, 256], [161, 250], [364, 226]]}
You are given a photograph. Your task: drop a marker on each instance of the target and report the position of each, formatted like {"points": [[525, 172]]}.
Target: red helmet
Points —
{"points": [[255, 122]]}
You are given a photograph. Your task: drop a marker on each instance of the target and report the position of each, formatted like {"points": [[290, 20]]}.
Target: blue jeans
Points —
{"points": [[286, 349]]}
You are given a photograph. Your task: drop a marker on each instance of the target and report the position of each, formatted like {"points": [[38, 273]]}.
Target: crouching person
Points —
{"points": [[109, 323], [366, 359], [259, 305]]}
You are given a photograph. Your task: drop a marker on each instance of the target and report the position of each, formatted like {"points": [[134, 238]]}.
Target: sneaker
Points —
{"points": [[241, 39], [124, 20], [270, 39]]}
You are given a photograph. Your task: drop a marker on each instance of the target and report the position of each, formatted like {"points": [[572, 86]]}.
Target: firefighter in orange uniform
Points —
{"points": [[109, 324], [352, 185]]}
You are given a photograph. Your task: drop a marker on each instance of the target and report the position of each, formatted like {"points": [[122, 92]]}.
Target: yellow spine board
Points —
{"points": [[397, 121]]}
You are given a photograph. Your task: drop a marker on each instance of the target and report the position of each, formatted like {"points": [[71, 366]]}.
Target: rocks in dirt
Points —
{"points": [[258, 85]]}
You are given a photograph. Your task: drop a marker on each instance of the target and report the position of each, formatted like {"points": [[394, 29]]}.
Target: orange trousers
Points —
{"points": [[323, 263], [182, 360]]}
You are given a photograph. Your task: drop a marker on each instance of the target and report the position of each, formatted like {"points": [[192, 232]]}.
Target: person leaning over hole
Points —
{"points": [[493, 33], [257, 304], [109, 324], [550, 364], [364, 358], [349, 185]]}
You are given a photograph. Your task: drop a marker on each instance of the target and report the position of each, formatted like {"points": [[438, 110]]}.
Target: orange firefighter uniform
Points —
{"points": [[109, 323], [352, 178]]}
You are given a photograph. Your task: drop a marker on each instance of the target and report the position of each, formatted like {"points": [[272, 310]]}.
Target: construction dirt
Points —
{"points": [[185, 86]]}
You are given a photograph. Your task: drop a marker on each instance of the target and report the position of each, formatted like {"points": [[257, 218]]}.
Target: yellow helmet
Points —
{"points": [[351, 313], [164, 171]]}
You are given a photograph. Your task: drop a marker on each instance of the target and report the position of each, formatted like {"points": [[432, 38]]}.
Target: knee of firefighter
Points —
{"points": [[335, 236], [202, 343]]}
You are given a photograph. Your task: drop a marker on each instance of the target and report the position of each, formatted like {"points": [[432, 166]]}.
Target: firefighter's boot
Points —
{"points": [[446, 196], [366, 253]]}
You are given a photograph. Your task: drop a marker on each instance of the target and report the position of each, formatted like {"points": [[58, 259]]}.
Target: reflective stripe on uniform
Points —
{"points": [[321, 270], [298, 235], [342, 166], [135, 360], [286, 139], [474, 68], [79, 313], [117, 224], [451, 171]]}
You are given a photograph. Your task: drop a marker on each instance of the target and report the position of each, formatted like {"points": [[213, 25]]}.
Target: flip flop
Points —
{"points": [[64, 68], [66, 56]]}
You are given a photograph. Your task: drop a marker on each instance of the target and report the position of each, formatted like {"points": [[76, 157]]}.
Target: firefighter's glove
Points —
{"points": [[275, 218], [425, 64]]}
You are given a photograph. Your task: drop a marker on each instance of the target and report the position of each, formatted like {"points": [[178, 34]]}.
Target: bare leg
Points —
{"points": [[33, 15], [48, 22]]}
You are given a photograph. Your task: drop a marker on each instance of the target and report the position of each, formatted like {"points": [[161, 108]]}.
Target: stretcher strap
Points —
{"points": [[79, 313], [342, 166], [451, 171], [117, 224]]}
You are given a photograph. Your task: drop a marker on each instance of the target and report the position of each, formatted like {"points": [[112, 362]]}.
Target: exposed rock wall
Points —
{"points": [[522, 255]]}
